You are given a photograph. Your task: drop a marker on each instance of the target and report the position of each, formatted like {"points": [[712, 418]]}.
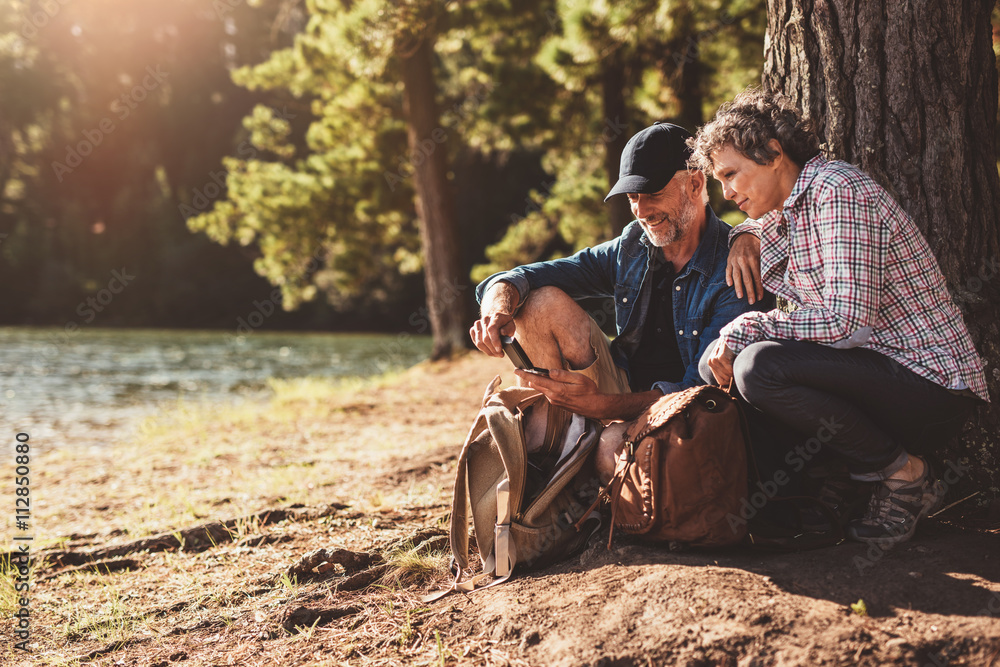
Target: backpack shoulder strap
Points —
{"points": [[668, 407], [459, 532], [495, 416]]}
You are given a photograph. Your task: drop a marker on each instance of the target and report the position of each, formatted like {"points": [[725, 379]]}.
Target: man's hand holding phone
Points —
{"points": [[519, 358], [574, 391]]}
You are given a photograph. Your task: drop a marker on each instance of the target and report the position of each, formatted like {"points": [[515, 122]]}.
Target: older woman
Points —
{"points": [[875, 360]]}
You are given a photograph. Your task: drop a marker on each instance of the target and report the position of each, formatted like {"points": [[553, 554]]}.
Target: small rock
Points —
{"points": [[296, 618], [530, 639]]}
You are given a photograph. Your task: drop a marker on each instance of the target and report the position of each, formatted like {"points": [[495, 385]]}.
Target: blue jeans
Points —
{"points": [[862, 405]]}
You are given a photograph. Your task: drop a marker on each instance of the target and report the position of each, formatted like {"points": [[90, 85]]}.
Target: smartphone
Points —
{"points": [[517, 356]]}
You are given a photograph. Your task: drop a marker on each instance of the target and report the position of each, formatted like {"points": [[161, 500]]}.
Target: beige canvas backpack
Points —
{"points": [[522, 517]]}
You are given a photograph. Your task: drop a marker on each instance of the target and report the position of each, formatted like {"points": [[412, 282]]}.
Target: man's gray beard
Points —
{"points": [[678, 227]]}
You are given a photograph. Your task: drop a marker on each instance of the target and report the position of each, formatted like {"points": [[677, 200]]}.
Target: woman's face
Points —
{"points": [[756, 188]]}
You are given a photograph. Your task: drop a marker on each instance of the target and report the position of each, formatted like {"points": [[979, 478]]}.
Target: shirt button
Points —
{"points": [[678, 288], [659, 330], [694, 333], [681, 332], [624, 299]]}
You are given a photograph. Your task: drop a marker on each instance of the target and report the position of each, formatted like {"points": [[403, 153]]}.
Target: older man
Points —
{"points": [[667, 275]]}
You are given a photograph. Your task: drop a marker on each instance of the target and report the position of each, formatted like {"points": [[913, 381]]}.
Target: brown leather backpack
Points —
{"points": [[683, 470]]}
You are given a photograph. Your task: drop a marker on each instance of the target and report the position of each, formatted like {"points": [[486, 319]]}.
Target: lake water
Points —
{"points": [[62, 387]]}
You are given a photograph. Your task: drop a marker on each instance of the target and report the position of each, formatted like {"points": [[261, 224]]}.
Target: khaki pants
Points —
{"points": [[609, 378]]}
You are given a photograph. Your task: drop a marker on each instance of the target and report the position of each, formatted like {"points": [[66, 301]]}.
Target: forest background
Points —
{"points": [[300, 164], [184, 157]]}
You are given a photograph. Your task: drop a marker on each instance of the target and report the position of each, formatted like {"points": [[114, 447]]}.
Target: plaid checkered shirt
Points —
{"points": [[861, 275]]}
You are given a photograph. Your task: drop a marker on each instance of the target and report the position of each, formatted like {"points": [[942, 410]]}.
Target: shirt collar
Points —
{"points": [[809, 171]]}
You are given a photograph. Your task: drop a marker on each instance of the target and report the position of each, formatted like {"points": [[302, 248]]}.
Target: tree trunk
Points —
{"points": [[446, 289], [6, 152], [615, 137], [908, 92], [686, 59], [688, 90]]}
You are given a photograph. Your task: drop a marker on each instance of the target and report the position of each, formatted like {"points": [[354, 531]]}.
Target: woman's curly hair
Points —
{"points": [[748, 123]]}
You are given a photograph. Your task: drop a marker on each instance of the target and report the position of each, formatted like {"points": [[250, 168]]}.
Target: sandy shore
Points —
{"points": [[197, 541]]}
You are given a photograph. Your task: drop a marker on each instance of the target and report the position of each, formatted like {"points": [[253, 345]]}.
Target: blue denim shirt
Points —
{"points": [[621, 268]]}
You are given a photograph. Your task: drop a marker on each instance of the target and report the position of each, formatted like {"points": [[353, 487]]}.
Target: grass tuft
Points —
{"points": [[112, 622], [411, 566], [8, 593]]}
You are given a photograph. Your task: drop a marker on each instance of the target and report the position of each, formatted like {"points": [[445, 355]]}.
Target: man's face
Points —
{"points": [[667, 215]]}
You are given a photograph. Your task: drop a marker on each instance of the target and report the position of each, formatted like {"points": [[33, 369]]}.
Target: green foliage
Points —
{"points": [[346, 202], [328, 219], [651, 40], [116, 114], [301, 102]]}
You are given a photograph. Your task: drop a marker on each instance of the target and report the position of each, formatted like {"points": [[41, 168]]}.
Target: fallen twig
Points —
{"points": [[931, 516], [100, 567], [296, 618], [318, 564], [198, 538]]}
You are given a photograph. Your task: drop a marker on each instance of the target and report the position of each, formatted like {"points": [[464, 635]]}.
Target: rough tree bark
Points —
{"points": [[446, 290], [908, 92]]}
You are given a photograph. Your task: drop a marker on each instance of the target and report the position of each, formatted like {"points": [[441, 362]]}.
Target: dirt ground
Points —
{"points": [[329, 568]]}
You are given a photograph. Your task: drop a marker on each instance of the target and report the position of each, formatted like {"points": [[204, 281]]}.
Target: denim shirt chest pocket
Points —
{"points": [[632, 266], [626, 297]]}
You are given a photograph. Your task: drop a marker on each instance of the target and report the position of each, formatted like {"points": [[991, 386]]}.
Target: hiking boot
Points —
{"points": [[895, 508], [845, 498]]}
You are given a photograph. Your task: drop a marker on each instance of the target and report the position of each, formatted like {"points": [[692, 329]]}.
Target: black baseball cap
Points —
{"points": [[651, 158]]}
